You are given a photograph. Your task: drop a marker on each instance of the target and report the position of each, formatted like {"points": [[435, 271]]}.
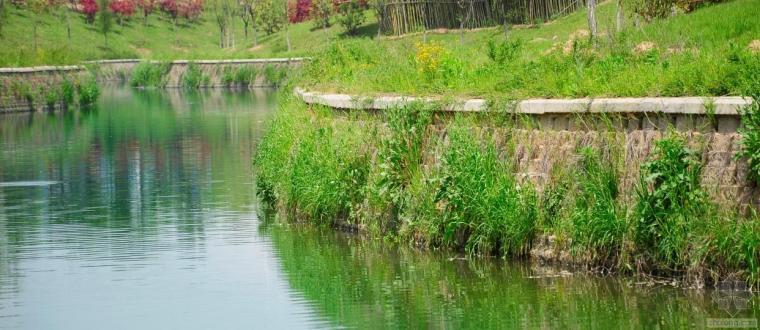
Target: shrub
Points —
{"points": [[88, 92], [321, 11], [651, 9], [89, 9], [505, 51], [750, 142], [351, 16], [299, 11], [51, 98], [670, 202]]}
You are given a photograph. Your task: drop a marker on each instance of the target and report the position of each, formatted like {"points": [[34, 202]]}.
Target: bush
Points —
{"points": [[670, 203], [505, 51], [750, 142], [88, 92], [651, 9], [351, 16], [321, 11]]}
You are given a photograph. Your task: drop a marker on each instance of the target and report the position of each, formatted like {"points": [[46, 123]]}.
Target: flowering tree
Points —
{"points": [[299, 11], [89, 9], [190, 9], [122, 9], [170, 7], [146, 7]]}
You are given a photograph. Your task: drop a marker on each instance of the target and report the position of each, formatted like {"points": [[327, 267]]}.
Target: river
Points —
{"points": [[141, 214]]}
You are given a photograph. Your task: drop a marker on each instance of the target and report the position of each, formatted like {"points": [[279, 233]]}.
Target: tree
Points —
{"points": [[89, 9], [224, 11], [351, 15], [299, 11], [190, 9], [170, 8], [470, 6], [3, 15], [122, 9], [321, 11], [146, 7], [39, 7], [592, 18], [271, 16], [104, 20], [619, 16]]}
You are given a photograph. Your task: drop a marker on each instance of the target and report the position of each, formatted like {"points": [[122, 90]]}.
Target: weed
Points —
{"points": [[148, 74], [88, 92], [750, 142]]}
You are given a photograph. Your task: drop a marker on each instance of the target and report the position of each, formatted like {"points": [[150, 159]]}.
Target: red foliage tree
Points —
{"points": [[170, 7], [299, 11], [146, 7], [190, 9], [89, 9], [122, 8]]}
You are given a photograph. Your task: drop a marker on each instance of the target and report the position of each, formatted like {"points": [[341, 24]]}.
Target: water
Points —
{"points": [[141, 214]]}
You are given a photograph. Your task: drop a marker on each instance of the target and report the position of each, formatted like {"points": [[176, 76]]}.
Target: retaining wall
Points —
{"points": [[548, 134], [26, 89]]}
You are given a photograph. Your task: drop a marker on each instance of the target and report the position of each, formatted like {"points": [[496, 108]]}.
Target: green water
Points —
{"points": [[141, 214]]}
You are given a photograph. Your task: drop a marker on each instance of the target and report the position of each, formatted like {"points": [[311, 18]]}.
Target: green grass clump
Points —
{"points": [[483, 201], [194, 77], [400, 155], [88, 92], [750, 133], [598, 222], [149, 74], [245, 76], [316, 171], [274, 75]]}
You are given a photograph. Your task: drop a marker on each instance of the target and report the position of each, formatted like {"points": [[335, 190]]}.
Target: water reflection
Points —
{"points": [[148, 220], [358, 283]]}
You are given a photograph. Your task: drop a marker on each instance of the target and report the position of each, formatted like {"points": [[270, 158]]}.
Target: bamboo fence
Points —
{"points": [[399, 17]]}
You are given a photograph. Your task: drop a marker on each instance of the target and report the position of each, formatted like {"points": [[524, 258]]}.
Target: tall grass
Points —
{"points": [[598, 219], [484, 205], [148, 74]]}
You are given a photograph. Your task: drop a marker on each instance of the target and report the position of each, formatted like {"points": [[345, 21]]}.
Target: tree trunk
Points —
{"points": [[68, 24], [35, 36], [255, 37], [619, 16], [592, 18]]}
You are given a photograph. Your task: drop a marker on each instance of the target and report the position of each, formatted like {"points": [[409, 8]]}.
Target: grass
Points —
{"points": [[689, 54], [416, 177], [158, 40]]}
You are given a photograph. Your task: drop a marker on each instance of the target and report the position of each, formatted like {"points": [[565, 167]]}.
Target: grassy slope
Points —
{"points": [[157, 40], [701, 53]]}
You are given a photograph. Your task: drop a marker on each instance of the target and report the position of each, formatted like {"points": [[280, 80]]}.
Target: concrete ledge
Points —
{"points": [[723, 105], [41, 69]]}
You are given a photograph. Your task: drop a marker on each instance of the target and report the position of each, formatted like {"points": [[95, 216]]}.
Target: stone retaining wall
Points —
{"points": [[549, 133]]}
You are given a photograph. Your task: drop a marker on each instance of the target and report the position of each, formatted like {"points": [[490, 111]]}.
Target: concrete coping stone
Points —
{"points": [[41, 69], [722, 105], [79, 67]]}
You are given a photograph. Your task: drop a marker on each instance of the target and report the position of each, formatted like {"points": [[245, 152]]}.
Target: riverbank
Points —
{"points": [[640, 193], [54, 88]]}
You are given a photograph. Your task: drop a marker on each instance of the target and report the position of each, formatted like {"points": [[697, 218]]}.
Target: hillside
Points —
{"points": [[156, 40]]}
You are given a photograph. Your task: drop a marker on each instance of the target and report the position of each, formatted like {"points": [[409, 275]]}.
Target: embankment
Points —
{"points": [[56, 87], [644, 185]]}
